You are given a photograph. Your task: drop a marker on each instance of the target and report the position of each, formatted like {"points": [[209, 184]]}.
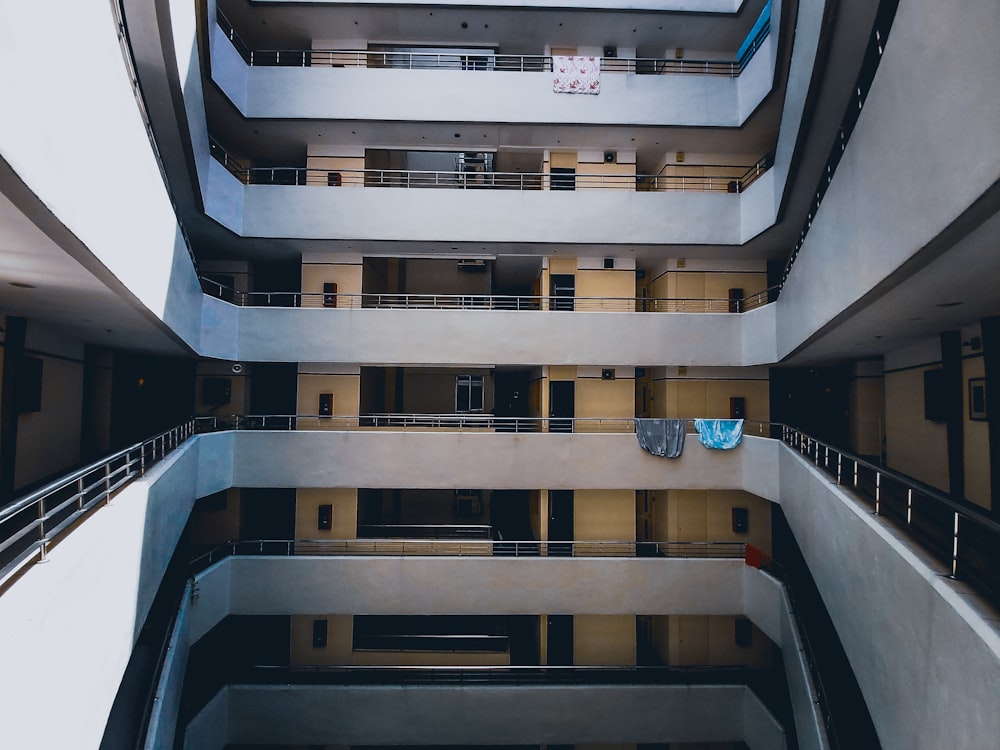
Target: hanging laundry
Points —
{"points": [[661, 437], [576, 75], [723, 434]]}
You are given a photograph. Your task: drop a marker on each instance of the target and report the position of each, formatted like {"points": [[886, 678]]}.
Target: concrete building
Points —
{"points": [[417, 269]]}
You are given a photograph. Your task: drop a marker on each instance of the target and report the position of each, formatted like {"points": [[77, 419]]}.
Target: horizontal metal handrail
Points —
{"points": [[453, 422], [958, 533], [530, 674], [467, 548], [424, 531], [736, 181], [504, 302], [30, 524], [477, 60]]}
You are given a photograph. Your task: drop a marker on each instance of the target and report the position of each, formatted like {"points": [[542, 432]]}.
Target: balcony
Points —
{"points": [[369, 84]]}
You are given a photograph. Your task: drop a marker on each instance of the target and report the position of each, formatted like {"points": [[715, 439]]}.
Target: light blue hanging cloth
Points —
{"points": [[723, 434]]}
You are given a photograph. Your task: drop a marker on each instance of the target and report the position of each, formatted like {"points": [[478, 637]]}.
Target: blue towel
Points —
{"points": [[723, 434]]}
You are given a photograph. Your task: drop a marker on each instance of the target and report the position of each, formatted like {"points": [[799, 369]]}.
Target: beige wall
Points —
{"points": [[339, 640], [604, 515], [216, 526], [604, 640], [345, 512], [239, 388], [914, 445], [345, 387], [705, 284], [706, 516], [606, 283], [708, 639], [347, 277], [349, 168], [867, 410], [693, 398]]}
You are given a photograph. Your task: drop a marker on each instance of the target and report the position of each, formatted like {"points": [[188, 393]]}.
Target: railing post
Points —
{"points": [[840, 463], [878, 492], [909, 506], [954, 549], [41, 530]]}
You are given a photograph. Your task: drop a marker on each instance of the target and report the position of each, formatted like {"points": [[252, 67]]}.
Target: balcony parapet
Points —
{"points": [[485, 301], [484, 61], [718, 178]]}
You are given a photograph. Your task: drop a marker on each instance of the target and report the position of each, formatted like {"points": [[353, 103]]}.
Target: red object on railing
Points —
{"points": [[753, 557]]}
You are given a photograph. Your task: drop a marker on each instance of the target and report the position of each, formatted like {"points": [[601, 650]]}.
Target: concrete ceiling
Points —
{"points": [[40, 279], [522, 30]]}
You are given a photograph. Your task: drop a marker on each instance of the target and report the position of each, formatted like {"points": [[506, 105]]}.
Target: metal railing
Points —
{"points": [[725, 178], [956, 533], [507, 302], [449, 422], [31, 524], [443, 675], [485, 60], [466, 548], [424, 531]]}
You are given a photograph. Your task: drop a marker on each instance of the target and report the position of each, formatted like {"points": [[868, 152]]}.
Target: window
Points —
{"points": [[468, 393]]}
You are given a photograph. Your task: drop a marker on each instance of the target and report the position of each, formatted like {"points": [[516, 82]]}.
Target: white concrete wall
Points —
{"points": [[434, 459], [464, 715], [418, 215], [358, 93], [499, 585], [80, 145], [925, 658], [69, 624], [456, 337], [912, 166]]}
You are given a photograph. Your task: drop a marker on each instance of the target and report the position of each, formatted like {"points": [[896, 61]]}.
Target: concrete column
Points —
{"points": [[951, 363], [13, 361], [991, 360]]}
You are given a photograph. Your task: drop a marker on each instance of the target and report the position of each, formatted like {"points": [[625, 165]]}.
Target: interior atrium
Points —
{"points": [[542, 374]]}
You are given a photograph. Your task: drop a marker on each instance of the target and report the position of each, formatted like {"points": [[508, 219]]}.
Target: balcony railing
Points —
{"points": [[448, 422], [467, 548], [723, 178], [485, 60], [506, 302], [30, 525], [957, 533]]}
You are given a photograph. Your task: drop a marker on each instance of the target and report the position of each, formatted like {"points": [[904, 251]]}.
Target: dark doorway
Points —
{"points": [[562, 178], [267, 513], [814, 400], [510, 515], [277, 284], [273, 392], [562, 289], [148, 395], [560, 640], [562, 396], [560, 522], [510, 398]]}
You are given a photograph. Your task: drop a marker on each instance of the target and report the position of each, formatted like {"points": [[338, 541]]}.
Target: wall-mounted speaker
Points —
{"points": [[609, 263], [330, 294], [324, 517], [611, 52], [741, 521], [608, 373], [737, 407], [610, 157], [326, 404]]}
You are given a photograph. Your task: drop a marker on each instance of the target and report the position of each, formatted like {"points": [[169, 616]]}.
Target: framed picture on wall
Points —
{"points": [[977, 399]]}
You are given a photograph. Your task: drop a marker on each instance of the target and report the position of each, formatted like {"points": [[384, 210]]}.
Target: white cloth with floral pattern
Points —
{"points": [[576, 74]]}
